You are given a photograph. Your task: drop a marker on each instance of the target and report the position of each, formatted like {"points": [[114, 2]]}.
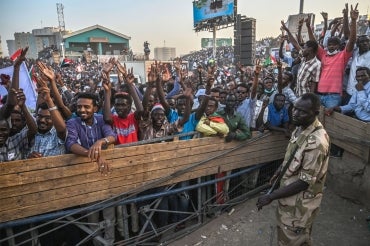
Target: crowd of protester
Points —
{"points": [[79, 110]]}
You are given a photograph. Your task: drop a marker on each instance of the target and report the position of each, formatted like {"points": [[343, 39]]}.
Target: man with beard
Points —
{"points": [[360, 58], [52, 131], [246, 96], [302, 175], [88, 134]]}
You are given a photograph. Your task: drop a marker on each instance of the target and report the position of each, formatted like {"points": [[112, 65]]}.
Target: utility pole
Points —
{"points": [[301, 6]]}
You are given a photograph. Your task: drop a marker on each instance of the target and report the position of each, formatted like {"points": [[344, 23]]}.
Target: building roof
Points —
{"points": [[96, 27]]}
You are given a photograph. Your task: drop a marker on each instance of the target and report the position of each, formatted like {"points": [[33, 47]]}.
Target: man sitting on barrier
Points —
{"points": [[360, 100]]}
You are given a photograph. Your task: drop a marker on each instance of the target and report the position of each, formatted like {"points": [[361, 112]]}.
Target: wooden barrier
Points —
{"points": [[36, 186], [348, 133]]}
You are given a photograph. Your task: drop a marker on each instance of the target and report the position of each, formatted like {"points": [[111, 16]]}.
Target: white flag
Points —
{"points": [[25, 82]]}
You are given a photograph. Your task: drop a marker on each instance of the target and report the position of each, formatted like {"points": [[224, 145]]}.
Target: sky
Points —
{"points": [[163, 23]]}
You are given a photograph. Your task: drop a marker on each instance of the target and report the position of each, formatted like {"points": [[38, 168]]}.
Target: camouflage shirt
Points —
{"points": [[310, 165]]}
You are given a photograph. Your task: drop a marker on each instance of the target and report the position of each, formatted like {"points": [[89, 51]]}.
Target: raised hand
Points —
{"points": [[166, 75], [121, 69], [257, 68], [354, 12], [44, 93], [21, 58], [324, 15], [107, 85], [345, 10], [308, 21], [177, 64], [45, 70], [41, 82], [130, 78], [107, 68], [153, 73]]}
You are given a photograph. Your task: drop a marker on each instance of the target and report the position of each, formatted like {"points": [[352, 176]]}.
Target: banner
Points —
{"points": [[25, 82]]}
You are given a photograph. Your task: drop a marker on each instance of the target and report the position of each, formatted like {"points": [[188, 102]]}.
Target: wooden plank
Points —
{"points": [[71, 159], [150, 167], [104, 193], [74, 182], [52, 173], [68, 185], [339, 125]]}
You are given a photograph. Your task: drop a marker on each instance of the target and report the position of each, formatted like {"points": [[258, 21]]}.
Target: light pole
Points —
{"points": [[62, 45], [301, 6]]}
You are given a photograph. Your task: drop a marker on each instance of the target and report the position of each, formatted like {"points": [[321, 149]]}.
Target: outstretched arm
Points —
{"points": [[49, 73], [11, 101], [107, 86], [187, 112], [311, 35], [58, 121], [291, 37], [353, 33], [257, 71], [130, 78], [325, 17], [345, 27]]}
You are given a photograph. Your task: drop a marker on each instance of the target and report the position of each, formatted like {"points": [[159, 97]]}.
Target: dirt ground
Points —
{"points": [[340, 222]]}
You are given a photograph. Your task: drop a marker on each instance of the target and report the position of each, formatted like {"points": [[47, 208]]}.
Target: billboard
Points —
{"points": [[292, 24], [204, 10], [208, 42]]}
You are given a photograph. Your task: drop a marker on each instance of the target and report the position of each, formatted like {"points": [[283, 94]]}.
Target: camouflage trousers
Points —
{"points": [[293, 236]]}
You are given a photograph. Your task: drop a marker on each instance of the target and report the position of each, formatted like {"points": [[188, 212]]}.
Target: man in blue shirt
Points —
{"points": [[88, 134], [360, 100], [276, 116]]}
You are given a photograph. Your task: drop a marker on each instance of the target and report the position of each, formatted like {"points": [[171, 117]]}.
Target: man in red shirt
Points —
{"points": [[125, 123], [333, 63]]}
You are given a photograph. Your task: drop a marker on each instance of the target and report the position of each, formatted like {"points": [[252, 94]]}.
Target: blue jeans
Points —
{"points": [[330, 100]]}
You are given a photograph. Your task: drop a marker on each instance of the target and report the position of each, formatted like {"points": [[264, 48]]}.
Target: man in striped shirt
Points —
{"points": [[309, 71]]}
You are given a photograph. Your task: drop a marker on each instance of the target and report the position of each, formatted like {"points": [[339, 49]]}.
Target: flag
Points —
{"points": [[269, 60], [16, 54], [32, 74], [66, 62], [25, 82], [273, 59]]}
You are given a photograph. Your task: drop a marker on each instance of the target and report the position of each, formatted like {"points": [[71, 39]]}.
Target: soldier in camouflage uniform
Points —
{"points": [[300, 192]]}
